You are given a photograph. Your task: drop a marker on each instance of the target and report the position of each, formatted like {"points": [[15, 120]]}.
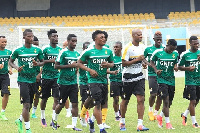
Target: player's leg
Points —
{"points": [[115, 90], [139, 92], [36, 99], [55, 94], [104, 105], [127, 91], [5, 92], [64, 93], [46, 93], [84, 110]]}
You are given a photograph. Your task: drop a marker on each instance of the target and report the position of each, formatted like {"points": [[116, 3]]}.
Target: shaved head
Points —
{"points": [[137, 36], [65, 44], [135, 31]]}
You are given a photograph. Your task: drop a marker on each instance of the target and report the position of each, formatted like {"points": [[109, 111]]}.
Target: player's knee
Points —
{"points": [[193, 102], [116, 100], [140, 99], [26, 106]]}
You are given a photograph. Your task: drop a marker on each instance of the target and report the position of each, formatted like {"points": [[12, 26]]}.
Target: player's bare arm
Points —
{"points": [[107, 65], [158, 72], [58, 66], [134, 61], [11, 63], [190, 68], [81, 65]]}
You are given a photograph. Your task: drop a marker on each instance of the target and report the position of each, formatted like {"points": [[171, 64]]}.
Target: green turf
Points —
{"points": [[179, 105]]}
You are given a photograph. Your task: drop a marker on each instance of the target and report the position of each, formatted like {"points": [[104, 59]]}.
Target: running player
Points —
{"points": [[153, 85], [189, 62], [66, 62], [27, 56], [116, 79], [99, 59], [167, 59], [50, 74], [133, 79], [38, 83], [4, 77]]}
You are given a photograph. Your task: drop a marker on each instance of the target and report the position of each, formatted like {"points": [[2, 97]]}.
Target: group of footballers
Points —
{"points": [[60, 67]]}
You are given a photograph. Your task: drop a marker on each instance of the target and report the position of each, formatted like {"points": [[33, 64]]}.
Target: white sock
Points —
{"points": [[167, 120], [193, 119], [161, 114], [155, 112], [116, 113], [21, 117], [92, 118], [70, 106], [2, 110], [140, 122], [101, 126], [55, 117], [150, 109], [53, 113], [42, 114], [122, 120], [119, 106], [34, 109], [27, 125], [74, 121], [186, 113]]}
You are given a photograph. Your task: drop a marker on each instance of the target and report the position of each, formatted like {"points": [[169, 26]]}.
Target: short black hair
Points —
{"points": [[25, 31], [193, 38], [94, 34], [106, 34], [69, 37], [172, 42], [2, 37], [85, 43], [35, 38], [118, 42], [51, 31]]}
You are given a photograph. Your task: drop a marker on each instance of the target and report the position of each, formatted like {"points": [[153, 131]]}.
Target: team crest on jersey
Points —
{"points": [[35, 51], [106, 52], [173, 56]]}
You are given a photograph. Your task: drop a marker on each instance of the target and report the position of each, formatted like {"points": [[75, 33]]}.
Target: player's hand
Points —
{"points": [[140, 58], [10, 71], [1, 66], [104, 64], [198, 57], [74, 64], [52, 60], [144, 66], [20, 68], [176, 69], [158, 72], [34, 63], [38, 77], [191, 68], [93, 73]]}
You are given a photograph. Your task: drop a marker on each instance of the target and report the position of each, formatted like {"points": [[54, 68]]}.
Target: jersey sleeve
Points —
{"points": [[40, 55], [14, 55], [182, 60], [60, 57], [154, 56], [110, 58], [85, 55], [176, 61], [125, 54]]}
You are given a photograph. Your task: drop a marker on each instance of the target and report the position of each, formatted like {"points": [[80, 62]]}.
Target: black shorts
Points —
{"points": [[165, 90], [153, 85], [99, 93], [84, 90], [191, 92], [27, 91], [136, 88], [115, 89], [4, 84], [70, 91], [47, 86]]}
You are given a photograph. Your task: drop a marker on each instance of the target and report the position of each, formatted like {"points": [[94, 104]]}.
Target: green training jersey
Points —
{"points": [[165, 62], [83, 76], [68, 76], [148, 53], [117, 66], [25, 57], [188, 59], [95, 57], [48, 71], [4, 58]]}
